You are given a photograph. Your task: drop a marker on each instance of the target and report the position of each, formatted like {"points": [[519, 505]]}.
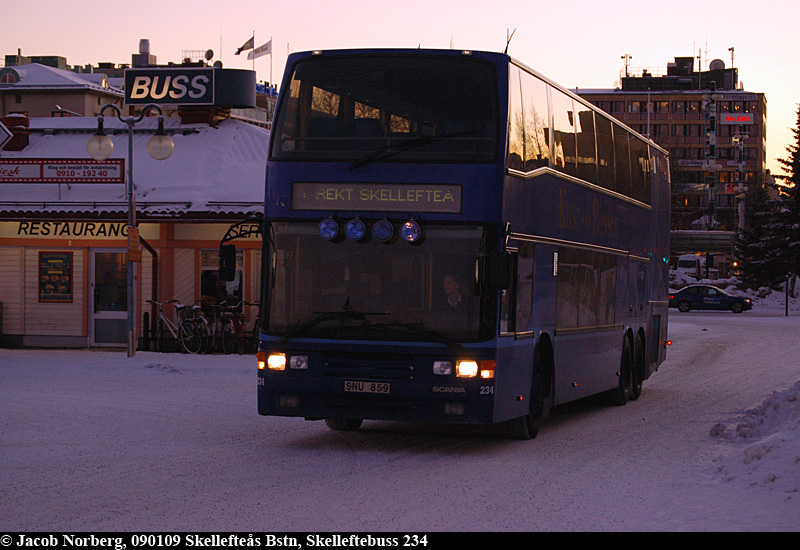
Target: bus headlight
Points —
{"points": [[442, 367], [382, 230], [298, 362], [411, 231], [328, 229], [466, 368], [276, 361], [355, 229]]}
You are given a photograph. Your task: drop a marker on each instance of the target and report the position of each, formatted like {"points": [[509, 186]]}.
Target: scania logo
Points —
{"points": [[448, 389]]}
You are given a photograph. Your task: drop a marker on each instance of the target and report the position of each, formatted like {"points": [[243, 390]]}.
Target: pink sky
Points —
{"points": [[576, 43]]}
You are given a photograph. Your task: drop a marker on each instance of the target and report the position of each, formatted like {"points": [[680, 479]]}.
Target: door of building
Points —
{"points": [[108, 311]]}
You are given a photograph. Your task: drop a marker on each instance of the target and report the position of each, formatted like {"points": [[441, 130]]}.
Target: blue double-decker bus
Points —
{"points": [[451, 237]]}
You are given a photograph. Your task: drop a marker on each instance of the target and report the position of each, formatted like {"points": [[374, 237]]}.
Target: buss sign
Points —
{"points": [[184, 86]]}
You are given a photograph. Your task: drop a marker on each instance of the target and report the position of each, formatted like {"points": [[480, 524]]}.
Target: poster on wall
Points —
{"points": [[55, 277]]}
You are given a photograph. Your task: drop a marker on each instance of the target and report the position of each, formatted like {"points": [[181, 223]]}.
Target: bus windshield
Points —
{"points": [[401, 107], [376, 291]]}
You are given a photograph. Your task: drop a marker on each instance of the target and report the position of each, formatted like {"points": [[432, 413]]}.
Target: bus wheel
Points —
{"points": [[344, 424], [638, 370], [542, 398], [620, 395]]}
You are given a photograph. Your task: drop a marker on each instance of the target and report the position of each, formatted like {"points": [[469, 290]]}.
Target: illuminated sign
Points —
{"points": [[737, 118], [169, 86], [377, 197], [61, 171], [190, 86]]}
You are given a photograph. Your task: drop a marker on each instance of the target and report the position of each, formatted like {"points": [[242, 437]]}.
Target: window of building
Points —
{"points": [[212, 289], [661, 107]]}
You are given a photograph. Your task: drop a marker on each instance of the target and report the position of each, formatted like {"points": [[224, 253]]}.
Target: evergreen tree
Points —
{"points": [[758, 252], [789, 226]]}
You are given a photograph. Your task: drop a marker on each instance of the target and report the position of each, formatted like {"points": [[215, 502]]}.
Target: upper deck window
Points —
{"points": [[394, 108]]}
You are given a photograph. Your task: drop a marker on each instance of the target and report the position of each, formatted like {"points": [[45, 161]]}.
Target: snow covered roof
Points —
{"points": [[212, 171], [38, 76]]}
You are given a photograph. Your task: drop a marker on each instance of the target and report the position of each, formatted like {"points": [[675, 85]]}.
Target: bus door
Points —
{"points": [[517, 338]]}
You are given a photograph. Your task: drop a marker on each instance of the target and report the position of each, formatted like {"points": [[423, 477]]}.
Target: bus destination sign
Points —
{"points": [[377, 197]]}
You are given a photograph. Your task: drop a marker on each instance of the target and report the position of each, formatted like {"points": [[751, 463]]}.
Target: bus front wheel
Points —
{"points": [[344, 424], [542, 398]]}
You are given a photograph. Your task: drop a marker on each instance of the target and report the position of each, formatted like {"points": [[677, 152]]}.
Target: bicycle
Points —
{"points": [[185, 332], [252, 341], [232, 330], [210, 325]]}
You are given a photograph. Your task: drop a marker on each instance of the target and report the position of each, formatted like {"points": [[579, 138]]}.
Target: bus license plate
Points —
{"points": [[366, 387]]}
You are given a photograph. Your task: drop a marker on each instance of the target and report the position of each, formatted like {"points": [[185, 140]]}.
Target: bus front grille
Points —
{"points": [[369, 366]]}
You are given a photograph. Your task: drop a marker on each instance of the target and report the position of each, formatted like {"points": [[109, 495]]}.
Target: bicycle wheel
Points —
{"points": [[190, 337], [159, 335], [252, 343], [227, 336]]}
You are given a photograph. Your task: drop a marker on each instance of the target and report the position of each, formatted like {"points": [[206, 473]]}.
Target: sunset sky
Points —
{"points": [[576, 43]]}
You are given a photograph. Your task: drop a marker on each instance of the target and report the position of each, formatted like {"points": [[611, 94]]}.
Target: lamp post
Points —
{"points": [[160, 147]]}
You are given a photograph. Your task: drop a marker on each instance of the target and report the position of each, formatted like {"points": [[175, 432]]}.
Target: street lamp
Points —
{"points": [[159, 147]]}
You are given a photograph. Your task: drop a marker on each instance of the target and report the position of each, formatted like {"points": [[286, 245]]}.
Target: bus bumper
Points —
{"points": [[460, 402]]}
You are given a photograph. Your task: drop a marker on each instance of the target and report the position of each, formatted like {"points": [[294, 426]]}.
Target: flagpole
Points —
{"points": [[270, 62], [254, 45]]}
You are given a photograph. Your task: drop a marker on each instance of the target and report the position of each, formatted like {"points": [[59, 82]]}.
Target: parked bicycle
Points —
{"points": [[184, 332], [251, 345], [233, 337]]}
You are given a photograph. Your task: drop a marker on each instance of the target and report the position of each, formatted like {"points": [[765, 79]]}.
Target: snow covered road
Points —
{"points": [[96, 441]]}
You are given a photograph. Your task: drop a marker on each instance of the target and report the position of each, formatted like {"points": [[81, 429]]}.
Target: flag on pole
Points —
{"points": [[263, 49], [247, 45]]}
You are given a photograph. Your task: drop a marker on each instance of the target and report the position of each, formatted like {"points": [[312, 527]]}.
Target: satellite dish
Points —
{"points": [[217, 64], [209, 54], [717, 65]]}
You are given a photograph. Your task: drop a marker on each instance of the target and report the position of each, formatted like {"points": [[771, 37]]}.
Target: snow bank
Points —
{"points": [[766, 443]]}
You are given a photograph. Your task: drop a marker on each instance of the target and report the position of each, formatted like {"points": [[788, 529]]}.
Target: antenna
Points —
{"points": [[627, 57], [508, 39]]}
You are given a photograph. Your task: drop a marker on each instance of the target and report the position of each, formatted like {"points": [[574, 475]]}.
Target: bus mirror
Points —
{"points": [[227, 262], [500, 272]]}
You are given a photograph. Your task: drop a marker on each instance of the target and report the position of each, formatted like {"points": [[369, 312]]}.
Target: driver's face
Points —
{"points": [[450, 284]]}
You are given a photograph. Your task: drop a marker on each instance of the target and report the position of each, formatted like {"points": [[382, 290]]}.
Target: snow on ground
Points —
{"points": [[768, 444], [92, 440]]}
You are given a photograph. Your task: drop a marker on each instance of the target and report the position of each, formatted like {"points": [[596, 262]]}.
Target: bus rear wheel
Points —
{"points": [[344, 424], [638, 369], [622, 393]]}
